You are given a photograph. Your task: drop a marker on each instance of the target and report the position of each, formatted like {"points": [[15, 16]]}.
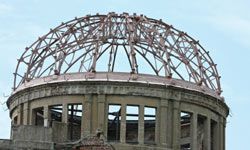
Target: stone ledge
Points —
{"points": [[117, 88]]}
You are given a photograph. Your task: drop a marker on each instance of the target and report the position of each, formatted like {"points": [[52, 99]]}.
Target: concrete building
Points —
{"points": [[116, 82]]}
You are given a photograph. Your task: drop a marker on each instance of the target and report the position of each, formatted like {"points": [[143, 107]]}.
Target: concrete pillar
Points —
{"points": [[101, 112], [215, 140], [87, 114], [46, 116], [106, 119], [170, 124], [194, 123], [176, 126], [20, 114], [123, 124], [163, 121], [26, 113], [221, 133], [32, 117], [141, 125], [65, 113], [224, 133], [207, 138], [157, 127]]}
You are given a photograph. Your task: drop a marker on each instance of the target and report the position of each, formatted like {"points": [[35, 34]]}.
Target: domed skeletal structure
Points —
{"points": [[116, 82], [147, 44]]}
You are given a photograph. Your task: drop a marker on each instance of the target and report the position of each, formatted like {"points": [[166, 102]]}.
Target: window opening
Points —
{"points": [[38, 114], [74, 121], [15, 120], [114, 122], [55, 113], [185, 130], [149, 124], [132, 116]]}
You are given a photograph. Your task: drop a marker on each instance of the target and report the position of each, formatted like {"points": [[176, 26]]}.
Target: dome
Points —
{"points": [[116, 82], [118, 43]]}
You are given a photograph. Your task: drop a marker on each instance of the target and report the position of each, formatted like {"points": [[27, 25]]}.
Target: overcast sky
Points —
{"points": [[222, 27]]}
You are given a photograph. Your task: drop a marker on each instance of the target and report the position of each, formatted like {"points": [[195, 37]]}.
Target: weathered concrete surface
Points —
{"points": [[6, 144], [32, 133], [96, 95], [59, 132], [25, 137], [25, 145]]}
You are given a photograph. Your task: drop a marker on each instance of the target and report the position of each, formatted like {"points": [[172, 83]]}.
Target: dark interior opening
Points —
{"points": [[186, 147], [74, 121], [114, 122], [149, 125], [39, 119], [185, 130], [55, 113], [15, 120], [132, 116]]}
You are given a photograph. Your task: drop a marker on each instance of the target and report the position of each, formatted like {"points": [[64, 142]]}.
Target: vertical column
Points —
{"points": [[86, 126], [65, 121], [221, 133], [216, 142], [163, 121], [20, 114], [32, 117], [207, 137], [101, 112], [26, 113], [65, 113], [157, 127], [106, 115], [176, 125], [170, 124], [123, 124], [46, 116], [141, 125], [224, 133], [194, 131]]}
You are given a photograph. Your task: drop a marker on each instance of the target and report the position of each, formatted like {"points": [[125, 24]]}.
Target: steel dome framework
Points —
{"points": [[77, 45]]}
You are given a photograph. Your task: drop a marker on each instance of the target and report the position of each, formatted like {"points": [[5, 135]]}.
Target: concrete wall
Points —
{"points": [[25, 145], [60, 132], [95, 98], [6, 144], [32, 133]]}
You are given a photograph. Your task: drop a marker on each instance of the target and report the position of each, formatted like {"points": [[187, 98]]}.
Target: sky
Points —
{"points": [[222, 27]]}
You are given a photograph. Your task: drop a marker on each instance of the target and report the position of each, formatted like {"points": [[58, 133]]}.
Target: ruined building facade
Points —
{"points": [[116, 82]]}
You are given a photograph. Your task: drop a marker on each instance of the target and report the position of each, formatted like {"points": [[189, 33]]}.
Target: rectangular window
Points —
{"points": [[55, 114], [186, 146], [185, 130], [15, 120], [132, 116], [38, 116], [149, 124], [74, 121], [114, 122]]}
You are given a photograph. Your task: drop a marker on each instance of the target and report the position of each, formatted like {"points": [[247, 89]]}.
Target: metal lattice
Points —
{"points": [[77, 45]]}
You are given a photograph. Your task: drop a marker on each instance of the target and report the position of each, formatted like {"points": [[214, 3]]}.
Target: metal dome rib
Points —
{"points": [[79, 45]]}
